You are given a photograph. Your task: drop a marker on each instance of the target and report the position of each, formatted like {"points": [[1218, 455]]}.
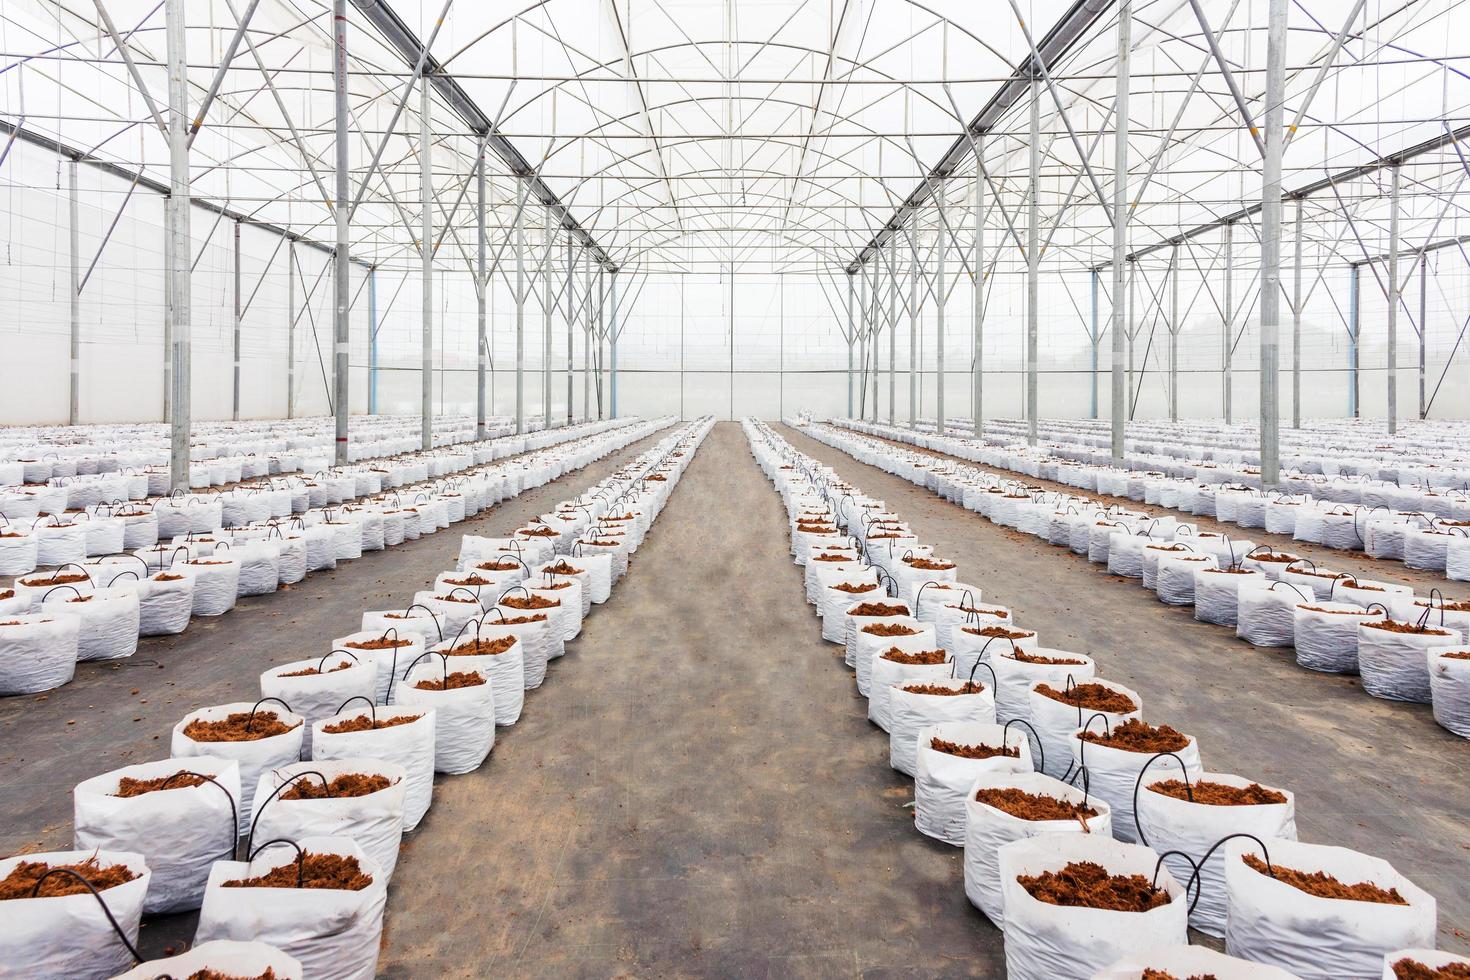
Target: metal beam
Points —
{"points": [[401, 37], [1067, 30], [75, 306], [341, 265], [1033, 258], [851, 336], [942, 246], [1448, 138], [977, 302], [520, 246], [177, 236], [482, 298], [1393, 298], [1270, 299], [1120, 226], [238, 313], [426, 258]]}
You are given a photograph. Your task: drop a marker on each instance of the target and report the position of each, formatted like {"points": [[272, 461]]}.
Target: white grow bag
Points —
{"points": [[374, 820], [942, 781], [464, 718], [38, 652], [253, 756], [68, 936], [410, 745], [910, 712], [1048, 942], [1449, 688], [228, 957]]}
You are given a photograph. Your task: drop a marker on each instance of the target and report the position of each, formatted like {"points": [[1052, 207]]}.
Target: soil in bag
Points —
{"points": [[1218, 794], [365, 723], [339, 872], [128, 787], [347, 784], [969, 687], [1033, 806], [453, 682], [238, 726], [975, 751], [21, 882], [1135, 735], [918, 658], [1323, 885], [1085, 884], [1093, 697], [1407, 969]]}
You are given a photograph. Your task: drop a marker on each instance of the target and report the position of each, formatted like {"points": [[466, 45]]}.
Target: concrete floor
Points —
{"points": [[1377, 776], [696, 790]]}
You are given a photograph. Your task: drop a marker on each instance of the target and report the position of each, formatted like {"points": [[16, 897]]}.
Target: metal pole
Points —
{"points": [[1227, 323], [587, 342], [74, 410], [291, 329], [1174, 333], [1131, 332], [571, 316], [1423, 331], [179, 257], [939, 304], [1120, 223], [426, 253], [877, 332], [482, 299], [520, 242], [1355, 319], [1096, 338], [235, 291], [373, 340], [914, 322], [546, 311], [892, 327], [1033, 260], [612, 345], [1270, 409], [977, 304], [1296, 324], [1393, 300], [851, 336], [342, 276], [863, 315]]}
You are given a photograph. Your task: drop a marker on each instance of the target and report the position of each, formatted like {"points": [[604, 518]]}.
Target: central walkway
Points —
{"points": [[696, 791]]}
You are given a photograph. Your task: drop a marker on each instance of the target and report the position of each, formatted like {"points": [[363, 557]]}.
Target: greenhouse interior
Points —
{"points": [[378, 336]]}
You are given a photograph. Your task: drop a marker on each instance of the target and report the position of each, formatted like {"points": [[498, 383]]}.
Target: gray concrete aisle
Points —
{"points": [[1377, 776], [695, 792]]}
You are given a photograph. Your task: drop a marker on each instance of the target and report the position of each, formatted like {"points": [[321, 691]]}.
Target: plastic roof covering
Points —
{"points": [[690, 135]]}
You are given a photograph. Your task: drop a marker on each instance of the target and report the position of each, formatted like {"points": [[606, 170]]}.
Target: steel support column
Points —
{"points": [[291, 329], [1227, 323], [1296, 322], [892, 328], [178, 239], [1393, 299], [1033, 258], [1270, 411], [851, 337], [235, 297], [977, 304], [612, 345], [482, 299], [1423, 332], [862, 334], [74, 236], [426, 255], [1120, 224], [1174, 334], [571, 317], [520, 246], [1355, 286], [341, 262], [372, 289], [546, 311], [1096, 338], [914, 321], [942, 247]]}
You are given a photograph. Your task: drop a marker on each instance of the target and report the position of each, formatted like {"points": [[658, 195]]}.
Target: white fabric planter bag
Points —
{"points": [[1047, 942], [410, 745], [567, 593], [1056, 722], [597, 544], [224, 956], [988, 829], [833, 602], [464, 718], [942, 781], [346, 539], [423, 622], [599, 573], [216, 585], [68, 936], [332, 932], [387, 661], [335, 678], [551, 635], [506, 670], [1411, 608], [1340, 532], [1217, 594], [57, 544], [1155, 552], [1319, 583], [887, 673], [1100, 538], [1383, 537], [260, 567], [910, 579], [321, 548], [1271, 569], [967, 614], [1190, 961], [253, 757], [392, 527], [1449, 688], [1113, 774], [1382, 593], [1176, 577], [35, 589], [1427, 549], [1266, 613], [909, 712], [166, 602], [581, 576], [106, 536], [38, 652], [1171, 824], [896, 613], [12, 604], [1125, 553], [1394, 665], [17, 551], [821, 572], [373, 821], [451, 613], [1015, 679], [534, 634], [1281, 516], [970, 645], [940, 602], [1457, 559], [291, 565], [108, 621], [180, 830], [1327, 938], [371, 525], [870, 645], [1434, 958], [1326, 635]]}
